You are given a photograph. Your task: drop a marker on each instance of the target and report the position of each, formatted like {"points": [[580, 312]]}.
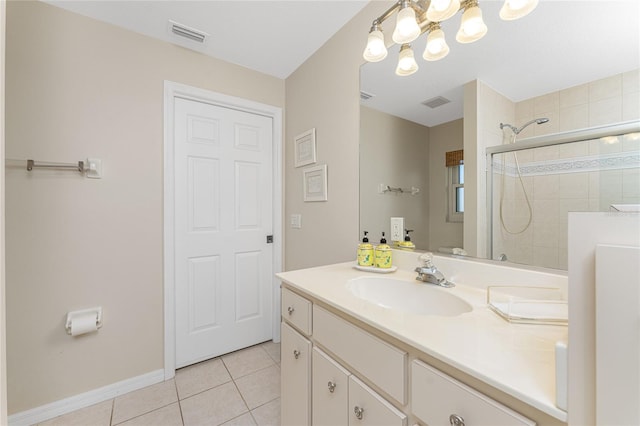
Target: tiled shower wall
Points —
{"points": [[608, 173]]}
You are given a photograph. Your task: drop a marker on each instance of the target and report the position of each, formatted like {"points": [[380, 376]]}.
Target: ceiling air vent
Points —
{"points": [[187, 32], [364, 96], [436, 102]]}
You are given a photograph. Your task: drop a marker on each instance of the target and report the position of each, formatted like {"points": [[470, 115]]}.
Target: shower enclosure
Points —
{"points": [[534, 183]]}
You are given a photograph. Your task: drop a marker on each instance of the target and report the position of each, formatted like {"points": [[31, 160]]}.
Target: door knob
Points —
{"points": [[296, 353], [359, 412]]}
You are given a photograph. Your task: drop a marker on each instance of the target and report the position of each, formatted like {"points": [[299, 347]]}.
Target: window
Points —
{"points": [[455, 190]]}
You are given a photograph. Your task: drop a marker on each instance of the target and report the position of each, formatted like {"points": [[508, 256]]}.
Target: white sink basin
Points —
{"points": [[407, 296]]}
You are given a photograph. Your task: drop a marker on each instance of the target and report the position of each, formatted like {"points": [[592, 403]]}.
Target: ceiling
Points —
{"points": [[559, 45], [272, 37]]}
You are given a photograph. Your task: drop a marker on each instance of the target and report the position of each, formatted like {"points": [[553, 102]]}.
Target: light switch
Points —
{"points": [[296, 221]]}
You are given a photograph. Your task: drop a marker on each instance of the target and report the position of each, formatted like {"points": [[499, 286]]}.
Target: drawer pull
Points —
{"points": [[456, 420], [296, 353], [290, 309], [359, 412], [331, 386]]}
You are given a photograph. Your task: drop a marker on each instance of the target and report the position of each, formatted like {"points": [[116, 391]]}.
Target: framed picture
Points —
{"points": [[314, 181], [305, 148]]}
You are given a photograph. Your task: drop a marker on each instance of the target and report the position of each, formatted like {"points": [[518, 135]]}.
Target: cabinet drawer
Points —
{"points": [[435, 397], [330, 395], [295, 377], [363, 351], [296, 310], [367, 408]]}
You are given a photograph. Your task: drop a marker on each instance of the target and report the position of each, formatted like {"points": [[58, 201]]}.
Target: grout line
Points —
{"points": [[175, 382], [205, 390], [275, 363], [113, 406]]}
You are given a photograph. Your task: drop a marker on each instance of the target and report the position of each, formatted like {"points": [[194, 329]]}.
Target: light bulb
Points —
{"points": [[441, 10], [514, 9], [407, 28], [437, 47], [376, 49], [472, 27], [407, 64]]}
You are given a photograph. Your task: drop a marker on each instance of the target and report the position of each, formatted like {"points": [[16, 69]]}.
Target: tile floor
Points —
{"points": [[240, 389]]}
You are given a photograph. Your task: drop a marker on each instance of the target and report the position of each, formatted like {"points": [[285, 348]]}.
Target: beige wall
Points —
{"points": [[393, 152], [484, 110], [442, 138], [324, 94], [76, 88]]}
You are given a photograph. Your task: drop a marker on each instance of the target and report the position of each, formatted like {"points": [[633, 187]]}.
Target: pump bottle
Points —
{"points": [[365, 252], [383, 254]]}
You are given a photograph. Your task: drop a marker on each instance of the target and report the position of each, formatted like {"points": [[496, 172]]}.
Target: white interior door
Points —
{"points": [[223, 215]]}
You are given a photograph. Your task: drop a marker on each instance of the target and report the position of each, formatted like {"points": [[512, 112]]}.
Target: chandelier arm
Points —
{"points": [[420, 6], [380, 19]]}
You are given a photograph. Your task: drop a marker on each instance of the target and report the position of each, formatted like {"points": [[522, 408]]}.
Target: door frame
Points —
{"points": [[173, 90]]}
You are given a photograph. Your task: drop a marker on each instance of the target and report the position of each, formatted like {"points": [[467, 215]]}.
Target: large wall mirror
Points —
{"points": [[551, 64]]}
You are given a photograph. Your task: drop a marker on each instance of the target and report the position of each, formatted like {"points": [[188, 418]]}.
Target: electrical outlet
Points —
{"points": [[397, 229]]}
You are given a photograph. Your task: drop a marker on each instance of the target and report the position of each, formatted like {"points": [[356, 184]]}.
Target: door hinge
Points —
{"points": [[269, 239]]}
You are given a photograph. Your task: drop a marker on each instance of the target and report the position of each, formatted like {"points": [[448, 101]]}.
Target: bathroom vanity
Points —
{"points": [[349, 360]]}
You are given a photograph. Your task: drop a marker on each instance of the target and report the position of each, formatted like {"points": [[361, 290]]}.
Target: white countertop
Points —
{"points": [[518, 359]]}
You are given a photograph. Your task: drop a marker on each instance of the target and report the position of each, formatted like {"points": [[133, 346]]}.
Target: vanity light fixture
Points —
{"points": [[472, 27], [415, 17], [376, 49], [407, 28], [437, 47], [407, 64], [514, 9]]}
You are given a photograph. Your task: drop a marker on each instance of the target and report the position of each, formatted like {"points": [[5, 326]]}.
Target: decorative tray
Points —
{"points": [[376, 270], [529, 305]]}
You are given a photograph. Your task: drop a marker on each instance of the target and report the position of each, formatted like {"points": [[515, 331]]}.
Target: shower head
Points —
{"points": [[541, 120]]}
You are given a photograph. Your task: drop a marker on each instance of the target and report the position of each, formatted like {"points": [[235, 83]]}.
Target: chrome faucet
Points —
{"points": [[428, 272]]}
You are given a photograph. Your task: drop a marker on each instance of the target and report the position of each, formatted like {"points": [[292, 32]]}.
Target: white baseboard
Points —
{"points": [[67, 405]]}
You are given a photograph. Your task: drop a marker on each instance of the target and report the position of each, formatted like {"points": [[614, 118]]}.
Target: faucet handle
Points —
{"points": [[427, 259]]}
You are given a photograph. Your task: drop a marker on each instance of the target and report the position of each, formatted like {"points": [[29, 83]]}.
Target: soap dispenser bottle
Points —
{"points": [[407, 244], [365, 252], [383, 254]]}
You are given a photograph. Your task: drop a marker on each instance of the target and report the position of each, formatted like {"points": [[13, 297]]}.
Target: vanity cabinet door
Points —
{"points": [[367, 408], [440, 400], [330, 395], [295, 378], [363, 352]]}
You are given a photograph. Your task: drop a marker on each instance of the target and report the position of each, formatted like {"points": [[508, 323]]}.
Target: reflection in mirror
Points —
{"points": [[536, 183], [402, 154], [514, 74]]}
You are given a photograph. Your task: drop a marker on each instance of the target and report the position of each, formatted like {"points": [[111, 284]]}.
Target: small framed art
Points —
{"points": [[305, 148], [315, 183]]}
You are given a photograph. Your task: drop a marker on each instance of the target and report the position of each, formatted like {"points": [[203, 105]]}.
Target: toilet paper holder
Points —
{"points": [[81, 313]]}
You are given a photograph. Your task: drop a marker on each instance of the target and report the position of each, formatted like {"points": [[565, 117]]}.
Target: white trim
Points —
{"points": [[86, 399], [174, 90], [3, 310]]}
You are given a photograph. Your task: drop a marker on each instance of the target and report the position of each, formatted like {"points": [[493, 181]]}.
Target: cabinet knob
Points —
{"points": [[456, 420], [359, 412], [290, 309], [332, 386], [296, 353]]}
